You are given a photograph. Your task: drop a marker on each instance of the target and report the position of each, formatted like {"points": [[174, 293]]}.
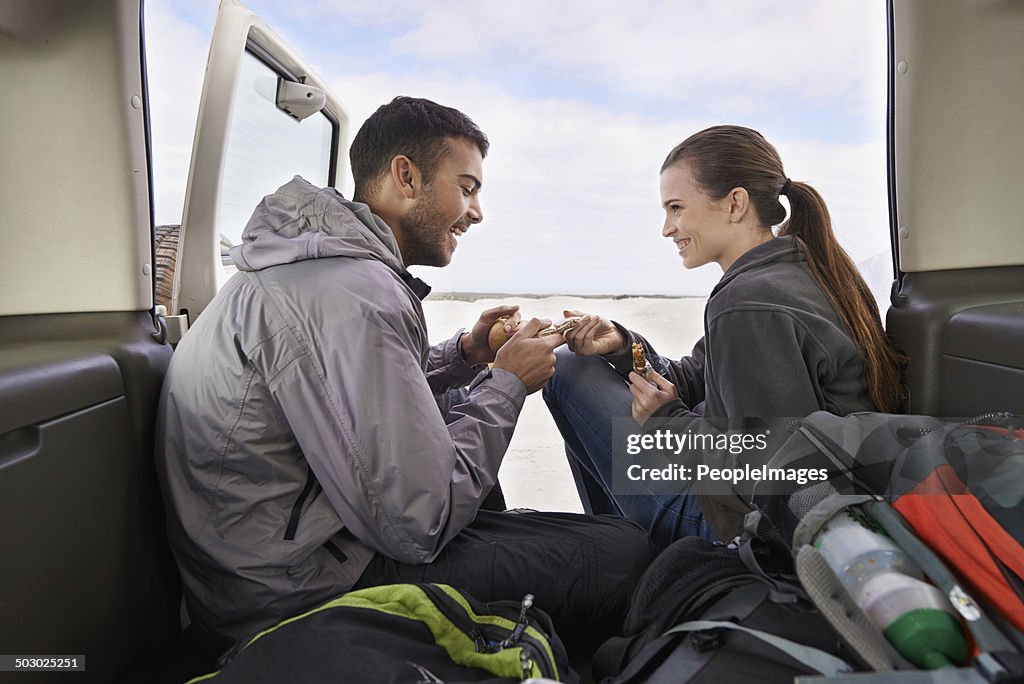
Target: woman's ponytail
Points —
{"points": [[837, 276]]}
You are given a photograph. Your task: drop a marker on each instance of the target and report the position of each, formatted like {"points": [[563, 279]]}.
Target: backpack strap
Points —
{"points": [[825, 663], [780, 590], [988, 669], [947, 675]]}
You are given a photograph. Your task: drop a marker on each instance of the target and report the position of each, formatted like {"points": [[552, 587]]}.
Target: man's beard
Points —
{"points": [[424, 241]]}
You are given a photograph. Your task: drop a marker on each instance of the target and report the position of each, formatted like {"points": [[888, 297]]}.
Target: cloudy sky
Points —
{"points": [[581, 99]]}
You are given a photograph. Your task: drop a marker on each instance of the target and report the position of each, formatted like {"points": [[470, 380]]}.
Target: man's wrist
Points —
{"points": [[467, 349]]}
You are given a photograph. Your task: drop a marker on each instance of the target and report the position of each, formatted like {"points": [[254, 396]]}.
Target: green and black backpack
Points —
{"points": [[403, 633]]}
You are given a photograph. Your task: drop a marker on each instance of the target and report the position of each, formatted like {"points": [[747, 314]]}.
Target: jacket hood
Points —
{"points": [[300, 221]]}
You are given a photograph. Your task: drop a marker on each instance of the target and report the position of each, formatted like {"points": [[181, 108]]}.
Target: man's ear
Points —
{"points": [[406, 176], [737, 204]]}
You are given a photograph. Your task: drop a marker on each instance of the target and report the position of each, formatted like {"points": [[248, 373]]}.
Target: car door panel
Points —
{"points": [[963, 334], [86, 569], [955, 105]]}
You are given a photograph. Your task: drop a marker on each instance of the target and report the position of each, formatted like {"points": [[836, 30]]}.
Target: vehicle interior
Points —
{"points": [[86, 569], [955, 108]]}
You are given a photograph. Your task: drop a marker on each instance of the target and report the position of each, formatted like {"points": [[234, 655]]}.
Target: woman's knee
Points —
{"points": [[575, 374], [567, 367]]}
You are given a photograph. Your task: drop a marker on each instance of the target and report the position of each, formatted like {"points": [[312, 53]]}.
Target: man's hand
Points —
{"points": [[649, 394], [593, 335], [530, 358], [474, 343]]}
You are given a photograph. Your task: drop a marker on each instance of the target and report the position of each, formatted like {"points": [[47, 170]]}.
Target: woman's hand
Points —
{"points": [[474, 343], [649, 394], [593, 335], [528, 357]]}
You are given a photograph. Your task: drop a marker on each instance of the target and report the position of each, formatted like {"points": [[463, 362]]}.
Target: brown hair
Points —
{"points": [[722, 158], [414, 127]]}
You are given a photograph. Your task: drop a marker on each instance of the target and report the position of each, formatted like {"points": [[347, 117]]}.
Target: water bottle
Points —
{"points": [[888, 586]]}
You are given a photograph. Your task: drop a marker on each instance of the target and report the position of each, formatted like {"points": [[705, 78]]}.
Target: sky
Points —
{"points": [[581, 100]]}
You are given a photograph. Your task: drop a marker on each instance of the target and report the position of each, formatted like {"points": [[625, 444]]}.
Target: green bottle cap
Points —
{"points": [[928, 637]]}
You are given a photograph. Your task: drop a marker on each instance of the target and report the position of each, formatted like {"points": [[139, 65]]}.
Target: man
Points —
{"points": [[301, 451]]}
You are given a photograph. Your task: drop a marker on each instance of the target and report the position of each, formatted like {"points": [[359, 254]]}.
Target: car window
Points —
{"points": [[266, 147], [264, 117]]}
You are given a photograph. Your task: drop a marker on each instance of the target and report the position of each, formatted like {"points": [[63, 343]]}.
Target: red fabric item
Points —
{"points": [[954, 524], [1006, 432]]}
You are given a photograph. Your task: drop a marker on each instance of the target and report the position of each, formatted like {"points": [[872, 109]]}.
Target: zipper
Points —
{"points": [[293, 519], [819, 441], [986, 417], [970, 422], [525, 663], [493, 638], [336, 552], [456, 614]]}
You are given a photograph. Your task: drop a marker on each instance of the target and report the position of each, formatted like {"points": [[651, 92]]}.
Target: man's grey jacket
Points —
{"points": [[298, 431]]}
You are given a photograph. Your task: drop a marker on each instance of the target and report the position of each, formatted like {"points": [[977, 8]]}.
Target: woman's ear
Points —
{"points": [[738, 204], [406, 176]]}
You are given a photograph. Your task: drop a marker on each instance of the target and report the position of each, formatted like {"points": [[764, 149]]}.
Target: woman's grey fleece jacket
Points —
{"points": [[774, 349], [298, 432]]}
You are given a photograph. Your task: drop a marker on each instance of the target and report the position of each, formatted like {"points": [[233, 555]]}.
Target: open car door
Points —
{"points": [[264, 117], [86, 579]]}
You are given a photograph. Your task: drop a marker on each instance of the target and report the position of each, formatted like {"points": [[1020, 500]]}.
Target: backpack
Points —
{"points": [[427, 633], [960, 486], [707, 612], [949, 494]]}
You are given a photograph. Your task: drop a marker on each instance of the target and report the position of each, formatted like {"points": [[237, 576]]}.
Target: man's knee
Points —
{"points": [[627, 547], [620, 553], [619, 549]]}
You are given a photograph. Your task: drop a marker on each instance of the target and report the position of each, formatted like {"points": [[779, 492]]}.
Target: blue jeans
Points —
{"points": [[583, 397]]}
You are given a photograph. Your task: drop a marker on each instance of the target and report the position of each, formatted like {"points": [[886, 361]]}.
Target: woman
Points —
{"points": [[791, 328]]}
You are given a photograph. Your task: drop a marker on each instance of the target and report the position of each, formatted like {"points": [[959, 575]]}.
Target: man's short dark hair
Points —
{"points": [[410, 126]]}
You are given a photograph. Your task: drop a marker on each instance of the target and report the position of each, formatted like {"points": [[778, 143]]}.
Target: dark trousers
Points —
{"points": [[581, 569]]}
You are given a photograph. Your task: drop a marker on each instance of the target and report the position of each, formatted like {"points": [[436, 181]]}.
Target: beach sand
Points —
{"points": [[535, 473]]}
